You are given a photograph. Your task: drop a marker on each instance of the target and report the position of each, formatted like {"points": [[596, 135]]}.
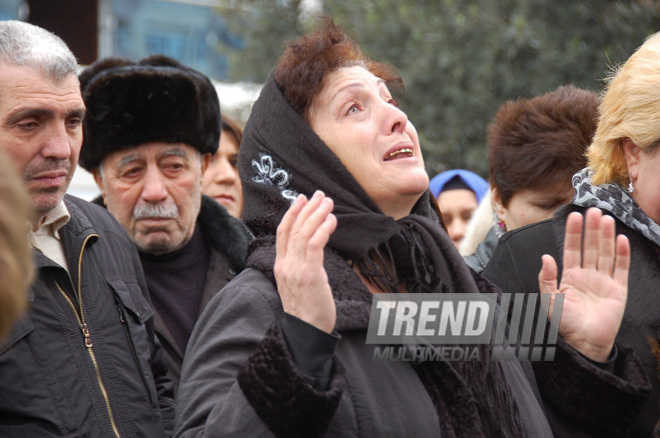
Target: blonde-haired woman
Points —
{"points": [[16, 268], [622, 180]]}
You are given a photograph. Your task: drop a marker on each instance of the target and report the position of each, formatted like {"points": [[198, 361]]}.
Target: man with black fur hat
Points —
{"points": [[71, 366], [150, 130]]}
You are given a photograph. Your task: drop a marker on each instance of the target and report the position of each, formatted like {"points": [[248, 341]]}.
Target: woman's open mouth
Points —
{"points": [[404, 152]]}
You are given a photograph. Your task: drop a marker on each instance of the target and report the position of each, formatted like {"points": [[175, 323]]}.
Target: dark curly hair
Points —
{"points": [[541, 142], [308, 60]]}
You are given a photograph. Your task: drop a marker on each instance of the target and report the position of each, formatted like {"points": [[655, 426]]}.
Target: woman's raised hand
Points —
{"points": [[301, 278], [594, 283]]}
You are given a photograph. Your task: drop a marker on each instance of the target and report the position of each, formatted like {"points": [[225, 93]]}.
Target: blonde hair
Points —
{"points": [[630, 108], [16, 265]]}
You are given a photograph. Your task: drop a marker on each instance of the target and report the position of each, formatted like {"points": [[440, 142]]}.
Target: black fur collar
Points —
{"points": [[226, 233]]}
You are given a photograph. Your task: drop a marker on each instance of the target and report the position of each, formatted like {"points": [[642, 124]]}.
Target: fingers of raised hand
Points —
{"points": [[301, 279], [600, 248], [622, 260], [310, 230], [606, 245], [573, 241], [306, 228], [592, 238], [284, 228], [548, 275]]}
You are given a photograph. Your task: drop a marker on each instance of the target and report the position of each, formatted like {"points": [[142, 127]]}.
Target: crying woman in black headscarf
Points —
{"points": [[336, 194]]}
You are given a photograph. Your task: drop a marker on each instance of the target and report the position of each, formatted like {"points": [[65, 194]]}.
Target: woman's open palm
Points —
{"points": [[301, 278], [594, 283]]}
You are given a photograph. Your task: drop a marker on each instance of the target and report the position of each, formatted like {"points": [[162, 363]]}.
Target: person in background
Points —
{"points": [[336, 190], [84, 359], [621, 180], [16, 265], [458, 193], [150, 131], [534, 147], [221, 181]]}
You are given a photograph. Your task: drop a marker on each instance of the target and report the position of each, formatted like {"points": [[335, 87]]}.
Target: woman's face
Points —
{"points": [[457, 206], [221, 181], [355, 115], [527, 206], [644, 169]]}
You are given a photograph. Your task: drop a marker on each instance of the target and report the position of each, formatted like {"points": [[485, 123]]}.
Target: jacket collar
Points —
{"points": [[226, 233], [73, 235]]}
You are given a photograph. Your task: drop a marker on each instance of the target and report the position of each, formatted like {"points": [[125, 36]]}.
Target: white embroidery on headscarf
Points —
{"points": [[267, 173]]}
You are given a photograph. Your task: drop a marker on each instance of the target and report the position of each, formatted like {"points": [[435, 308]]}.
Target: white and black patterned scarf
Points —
{"points": [[616, 200]]}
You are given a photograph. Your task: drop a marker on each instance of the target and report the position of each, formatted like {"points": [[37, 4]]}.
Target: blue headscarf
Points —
{"points": [[473, 182]]}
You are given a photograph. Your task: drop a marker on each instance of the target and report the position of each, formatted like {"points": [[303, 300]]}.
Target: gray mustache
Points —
{"points": [[160, 211]]}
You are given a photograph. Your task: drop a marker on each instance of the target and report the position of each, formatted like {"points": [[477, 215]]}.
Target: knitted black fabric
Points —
{"points": [[176, 284], [280, 157]]}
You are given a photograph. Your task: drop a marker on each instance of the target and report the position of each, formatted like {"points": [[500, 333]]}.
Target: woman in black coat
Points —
{"points": [[622, 180], [336, 192]]}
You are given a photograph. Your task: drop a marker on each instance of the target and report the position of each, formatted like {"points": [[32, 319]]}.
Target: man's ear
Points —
{"points": [[496, 200], [98, 178], [631, 152], [206, 159]]}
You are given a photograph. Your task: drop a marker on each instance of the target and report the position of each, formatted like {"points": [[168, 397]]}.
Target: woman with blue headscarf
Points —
{"points": [[458, 192]]}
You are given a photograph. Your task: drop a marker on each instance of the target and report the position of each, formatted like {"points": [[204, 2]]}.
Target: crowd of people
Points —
{"points": [[222, 283]]}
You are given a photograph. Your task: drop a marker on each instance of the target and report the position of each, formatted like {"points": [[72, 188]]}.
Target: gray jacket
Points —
{"points": [[238, 363]]}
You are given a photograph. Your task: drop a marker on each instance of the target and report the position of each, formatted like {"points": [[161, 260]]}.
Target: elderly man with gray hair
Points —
{"points": [[84, 360], [150, 130]]}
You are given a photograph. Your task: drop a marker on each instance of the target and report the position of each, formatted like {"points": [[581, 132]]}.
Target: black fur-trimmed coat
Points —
{"points": [[239, 378], [515, 265], [229, 239]]}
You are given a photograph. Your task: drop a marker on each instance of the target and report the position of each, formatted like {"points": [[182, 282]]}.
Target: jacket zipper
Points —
{"points": [[80, 316], [135, 357]]}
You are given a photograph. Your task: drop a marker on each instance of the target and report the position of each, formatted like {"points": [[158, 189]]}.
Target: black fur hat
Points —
{"points": [[155, 100]]}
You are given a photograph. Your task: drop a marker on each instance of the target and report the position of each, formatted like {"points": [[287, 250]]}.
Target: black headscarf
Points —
{"points": [[280, 157]]}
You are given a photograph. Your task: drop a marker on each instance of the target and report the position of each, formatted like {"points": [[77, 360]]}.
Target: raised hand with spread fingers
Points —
{"points": [[301, 278], [594, 283]]}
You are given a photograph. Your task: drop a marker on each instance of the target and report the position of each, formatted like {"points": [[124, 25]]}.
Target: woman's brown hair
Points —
{"points": [[232, 127], [541, 142], [307, 61]]}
